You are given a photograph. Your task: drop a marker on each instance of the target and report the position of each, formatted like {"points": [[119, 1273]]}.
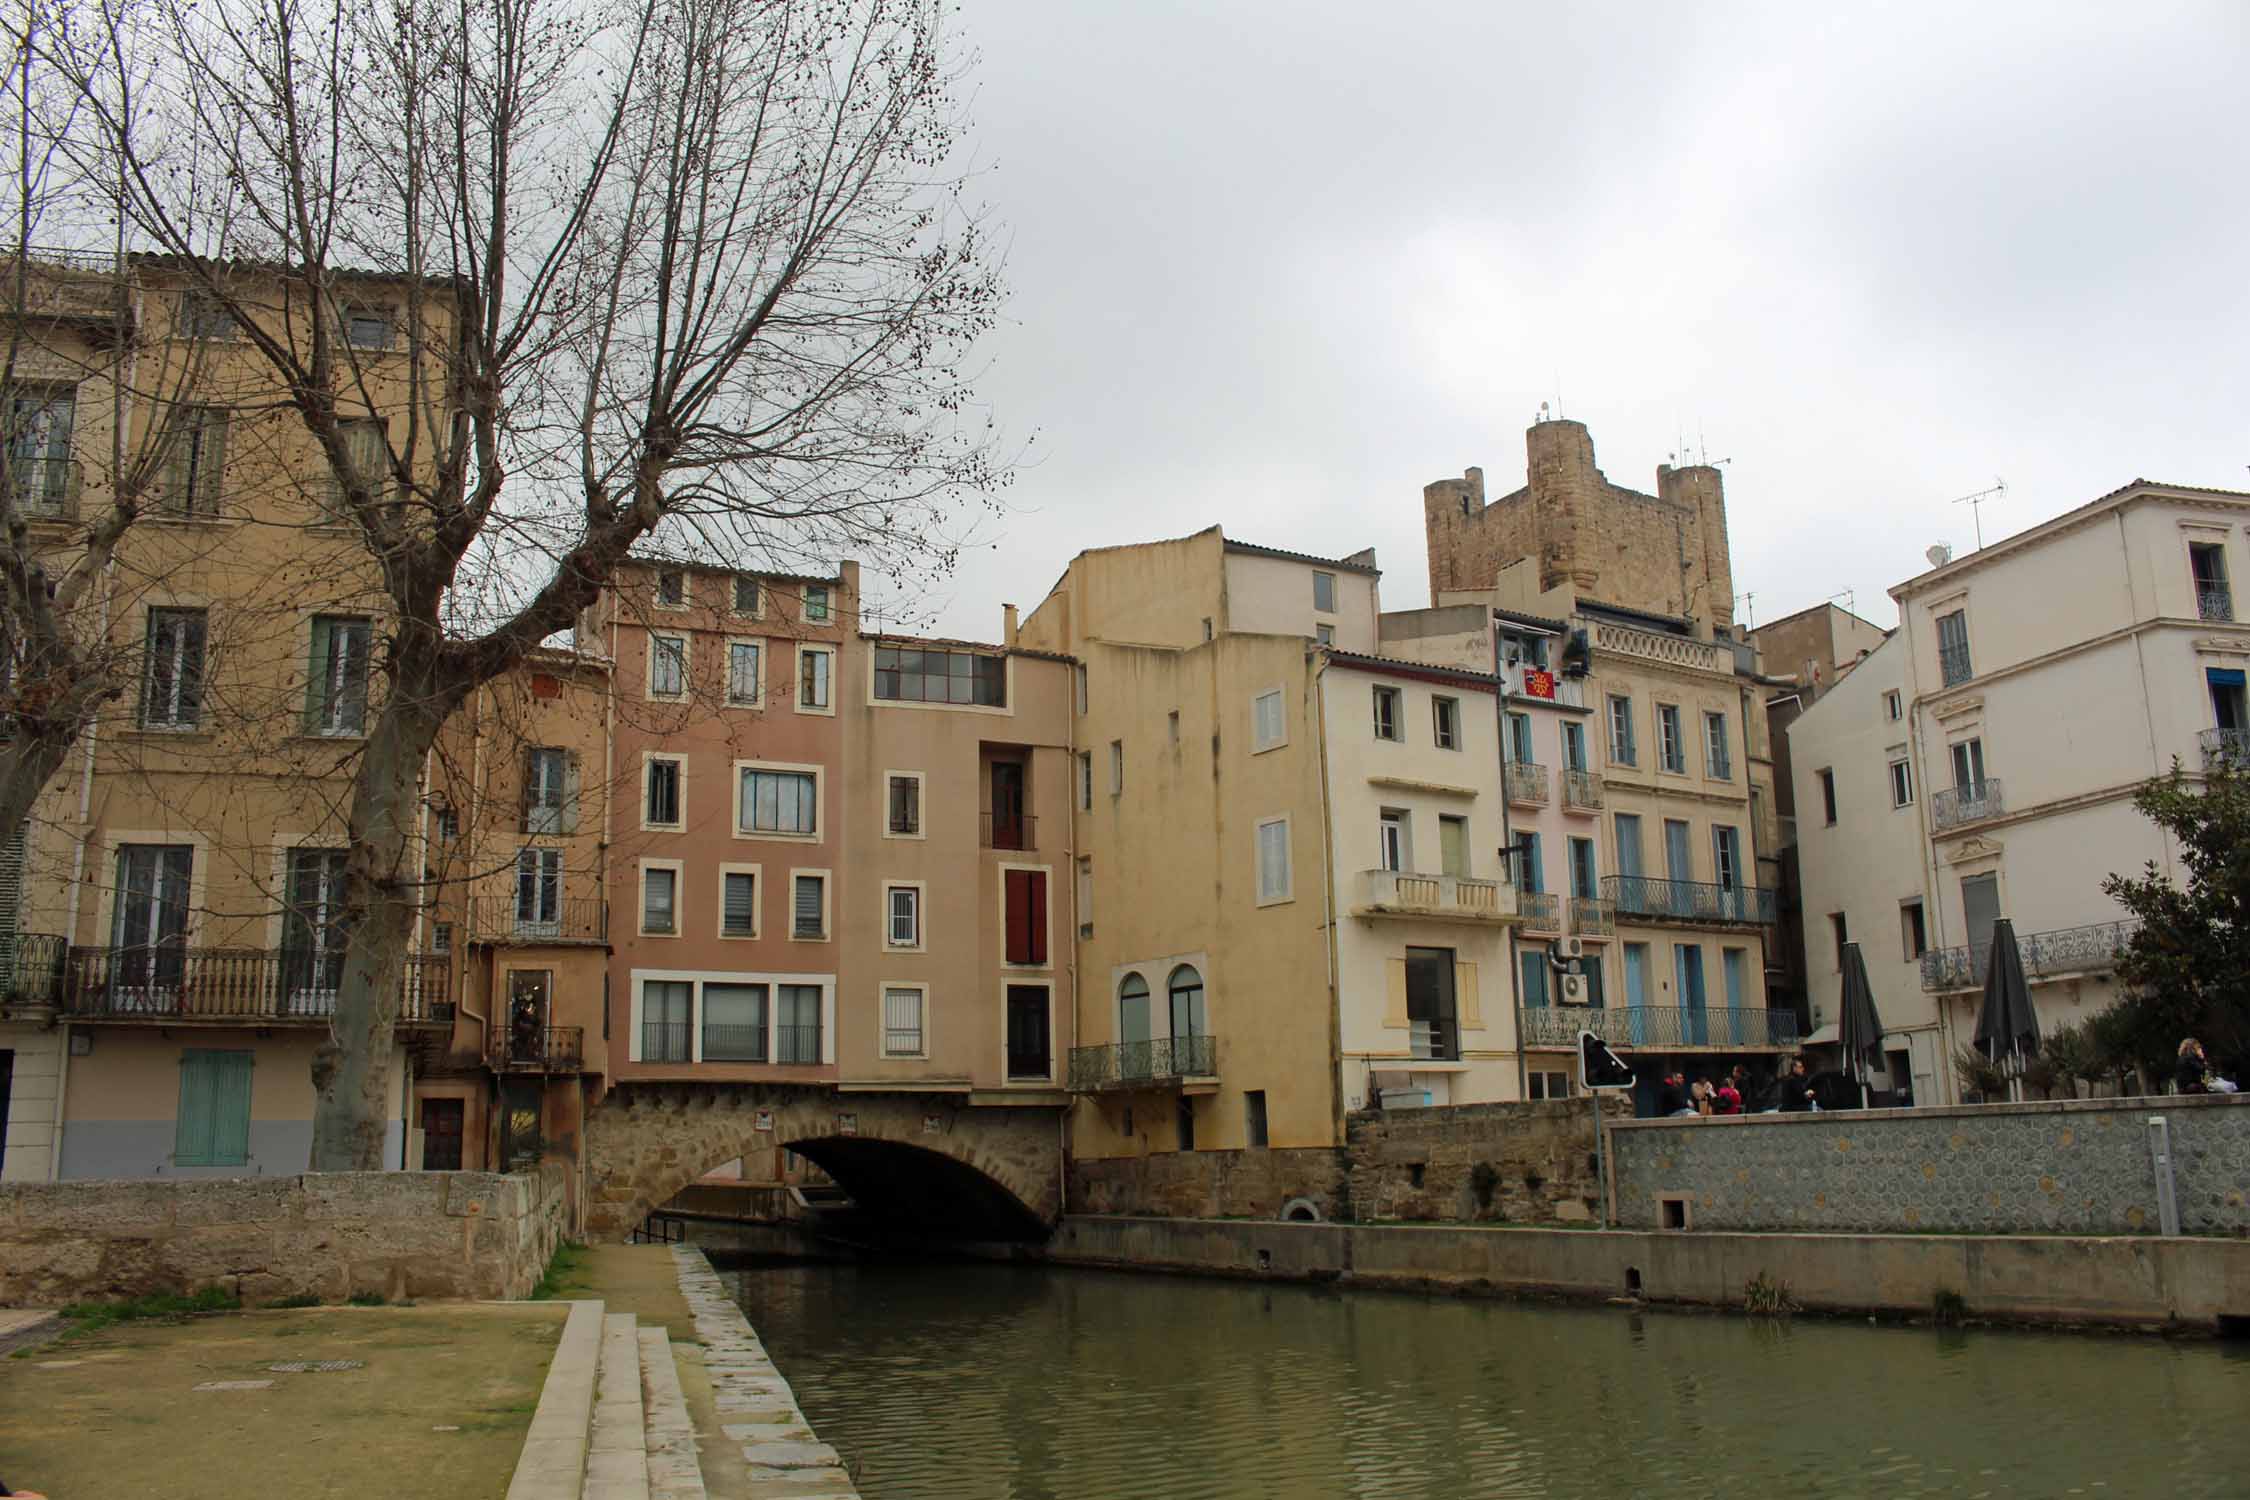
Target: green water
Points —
{"points": [[964, 1382]]}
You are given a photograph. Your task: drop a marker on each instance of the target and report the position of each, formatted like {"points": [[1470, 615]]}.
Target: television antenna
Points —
{"points": [[1976, 504]]}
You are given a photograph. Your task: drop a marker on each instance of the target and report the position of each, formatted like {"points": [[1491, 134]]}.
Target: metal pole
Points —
{"points": [[2160, 1153]]}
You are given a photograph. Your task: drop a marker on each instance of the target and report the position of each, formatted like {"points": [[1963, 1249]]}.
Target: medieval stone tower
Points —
{"points": [[1666, 552]]}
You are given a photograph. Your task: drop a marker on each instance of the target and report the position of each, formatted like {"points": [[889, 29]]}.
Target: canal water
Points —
{"points": [[953, 1382]]}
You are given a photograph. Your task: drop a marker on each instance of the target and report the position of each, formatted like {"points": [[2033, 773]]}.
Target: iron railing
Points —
{"points": [[35, 963], [1126, 1065], [163, 982], [1660, 1026], [46, 489], [1582, 791], [1409, 894], [2065, 950], [1541, 910], [796, 1044], [1953, 664], [664, 1041], [2228, 747], [1004, 830], [1956, 805], [724, 1043], [1527, 782], [1689, 900], [2214, 601], [572, 919], [543, 1049], [1593, 916]]}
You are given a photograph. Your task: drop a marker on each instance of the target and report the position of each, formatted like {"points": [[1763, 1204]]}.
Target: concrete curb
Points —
{"points": [[617, 1455], [674, 1471], [552, 1465]]}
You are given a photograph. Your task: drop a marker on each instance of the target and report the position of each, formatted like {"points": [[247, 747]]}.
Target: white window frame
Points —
{"points": [[1625, 749], [797, 681], [819, 775], [648, 759], [1384, 694], [1446, 736], [1717, 766], [1894, 705], [757, 698], [1287, 891], [1260, 741], [640, 897], [656, 589], [1394, 854], [827, 904], [1671, 749], [920, 891], [1324, 634], [757, 902], [1902, 781], [883, 992], [687, 657], [179, 614], [921, 805]]}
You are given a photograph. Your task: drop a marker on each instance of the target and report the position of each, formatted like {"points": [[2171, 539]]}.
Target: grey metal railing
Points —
{"points": [[1593, 916], [1142, 1064], [2064, 950], [1953, 664], [797, 1044], [2229, 747], [1659, 1026], [572, 919], [1582, 790], [734, 1043], [1527, 782], [664, 1041], [2214, 601], [1956, 805], [1689, 900], [1541, 910]]}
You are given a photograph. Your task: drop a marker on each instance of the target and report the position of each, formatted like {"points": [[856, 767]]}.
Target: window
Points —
{"points": [[1718, 757], [1117, 768], [1534, 872], [1677, 865], [779, 802], [1183, 988], [1671, 752], [1533, 968], [1386, 714], [539, 893], [367, 327], [1550, 1085], [1726, 861], [813, 664], [1902, 783], [1133, 1015], [1078, 685], [1519, 739], [1254, 1119], [1913, 937], [1172, 726], [1953, 647], [1573, 745], [1841, 933], [667, 666], [1968, 766], [738, 903], [745, 594], [1687, 980], [667, 1008], [662, 806], [1396, 849], [742, 673], [172, 692], [1828, 795], [671, 588], [441, 937], [193, 468], [213, 1128], [800, 1024], [1429, 1003], [1024, 900], [660, 889], [1273, 861], [203, 316], [808, 907], [1085, 781], [1085, 895], [1894, 708], [448, 824], [1030, 1047], [903, 806], [926, 674], [1324, 633], [816, 602], [1583, 883], [1734, 964], [902, 1021], [1446, 726], [367, 461], [904, 925], [1621, 750], [336, 679], [2230, 704], [1629, 847], [1269, 726], [550, 790], [1324, 592], [1453, 843], [1636, 974], [313, 931], [2213, 599], [734, 1023]]}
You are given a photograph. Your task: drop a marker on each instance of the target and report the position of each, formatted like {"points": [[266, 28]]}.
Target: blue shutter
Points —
{"points": [[1534, 979], [2224, 676]]}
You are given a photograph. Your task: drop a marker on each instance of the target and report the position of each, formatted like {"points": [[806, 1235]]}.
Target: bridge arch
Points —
{"points": [[929, 1162]]}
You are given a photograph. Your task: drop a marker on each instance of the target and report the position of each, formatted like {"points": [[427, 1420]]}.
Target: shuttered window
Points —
{"points": [[173, 672], [739, 904], [336, 676], [902, 1023], [808, 908], [1268, 726], [906, 805], [1273, 860], [213, 1129], [1026, 892], [197, 459]]}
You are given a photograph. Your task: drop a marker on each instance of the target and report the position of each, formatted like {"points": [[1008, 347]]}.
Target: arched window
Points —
{"points": [[1132, 1009], [1186, 987]]}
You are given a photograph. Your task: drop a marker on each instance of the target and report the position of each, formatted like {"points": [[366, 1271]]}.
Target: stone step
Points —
{"points": [[552, 1465], [674, 1471], [617, 1450]]}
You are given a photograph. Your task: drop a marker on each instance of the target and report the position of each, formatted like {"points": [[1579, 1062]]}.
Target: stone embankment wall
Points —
{"points": [[2065, 1167], [1530, 1163], [330, 1235]]}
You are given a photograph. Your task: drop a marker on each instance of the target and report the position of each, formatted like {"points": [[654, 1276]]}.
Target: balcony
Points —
{"points": [[1167, 1062], [165, 985], [70, 286], [2225, 747], [1542, 685], [1593, 916], [46, 489], [35, 968], [1646, 898], [574, 919], [1649, 645], [2046, 955], [2213, 601], [1006, 830], [1582, 792], [541, 1049], [1953, 665], [1452, 898], [1542, 911], [1959, 806], [1663, 1027], [1527, 783]]}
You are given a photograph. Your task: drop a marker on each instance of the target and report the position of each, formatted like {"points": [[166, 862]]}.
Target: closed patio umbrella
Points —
{"points": [[1859, 1029], [2007, 1026]]}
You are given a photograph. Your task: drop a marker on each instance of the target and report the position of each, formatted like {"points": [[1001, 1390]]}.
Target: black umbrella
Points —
{"points": [[1858, 1028], [2007, 1026]]}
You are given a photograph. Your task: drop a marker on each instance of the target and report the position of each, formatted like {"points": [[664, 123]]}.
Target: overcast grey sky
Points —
{"points": [[1277, 266]]}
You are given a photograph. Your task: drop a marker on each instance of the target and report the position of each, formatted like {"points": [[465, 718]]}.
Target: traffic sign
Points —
{"points": [[1600, 1068]]}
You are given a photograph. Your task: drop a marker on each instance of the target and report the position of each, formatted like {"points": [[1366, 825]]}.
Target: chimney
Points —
{"points": [[1007, 625]]}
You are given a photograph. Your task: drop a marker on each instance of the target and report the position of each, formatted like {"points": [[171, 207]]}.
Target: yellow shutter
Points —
{"points": [[1467, 1003], [1394, 996]]}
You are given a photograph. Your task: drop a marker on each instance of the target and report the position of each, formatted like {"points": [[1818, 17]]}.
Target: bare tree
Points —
{"points": [[555, 274]]}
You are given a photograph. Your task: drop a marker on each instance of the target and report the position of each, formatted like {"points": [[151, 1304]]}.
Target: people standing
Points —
{"points": [[2193, 1074], [1726, 1099], [1796, 1090]]}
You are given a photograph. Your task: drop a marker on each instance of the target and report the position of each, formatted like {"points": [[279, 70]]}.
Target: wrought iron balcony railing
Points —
{"points": [[1139, 1065], [35, 963], [1542, 910], [46, 489], [2214, 601], [542, 1049], [572, 919], [1582, 791], [1006, 830], [1403, 893], [2065, 950], [1660, 1026], [164, 982], [1593, 916], [1956, 805], [1645, 896], [1527, 783], [1953, 664], [2229, 747]]}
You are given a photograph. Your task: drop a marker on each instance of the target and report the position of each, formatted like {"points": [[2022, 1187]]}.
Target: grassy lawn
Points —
{"points": [[440, 1407]]}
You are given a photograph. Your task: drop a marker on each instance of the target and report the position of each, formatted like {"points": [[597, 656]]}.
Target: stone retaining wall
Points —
{"points": [[2063, 1167], [1222, 1184], [331, 1235]]}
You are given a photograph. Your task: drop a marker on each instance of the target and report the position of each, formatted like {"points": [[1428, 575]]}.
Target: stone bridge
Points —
{"points": [[931, 1162]]}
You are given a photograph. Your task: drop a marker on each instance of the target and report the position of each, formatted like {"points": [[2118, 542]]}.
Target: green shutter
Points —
{"points": [[214, 1121], [210, 463], [316, 675]]}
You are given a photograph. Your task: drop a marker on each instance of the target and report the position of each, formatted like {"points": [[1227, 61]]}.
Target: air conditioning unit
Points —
{"points": [[1569, 949], [1574, 989]]}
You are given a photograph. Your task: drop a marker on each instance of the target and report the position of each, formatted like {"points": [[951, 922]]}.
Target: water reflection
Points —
{"points": [[960, 1383]]}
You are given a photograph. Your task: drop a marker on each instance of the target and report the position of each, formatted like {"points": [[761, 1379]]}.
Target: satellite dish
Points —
{"points": [[1939, 555]]}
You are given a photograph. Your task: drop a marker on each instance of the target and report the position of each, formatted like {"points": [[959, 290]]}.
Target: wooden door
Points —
{"points": [[441, 1135]]}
